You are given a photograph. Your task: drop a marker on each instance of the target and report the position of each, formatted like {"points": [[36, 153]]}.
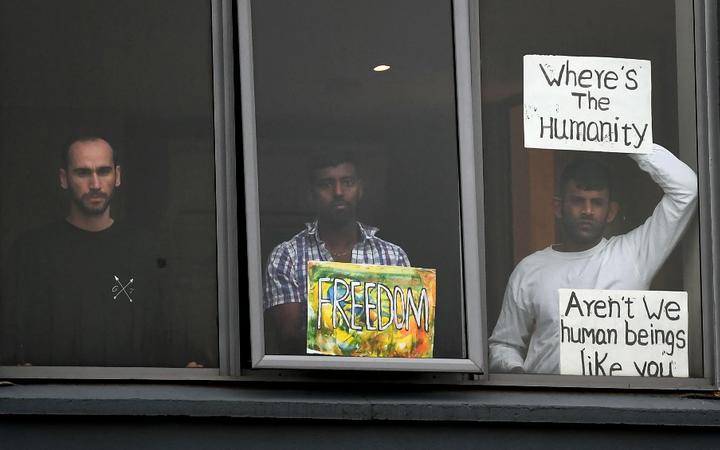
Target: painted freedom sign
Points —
{"points": [[623, 333], [370, 310], [587, 103]]}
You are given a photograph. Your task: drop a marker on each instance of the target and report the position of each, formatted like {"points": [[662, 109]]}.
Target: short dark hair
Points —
{"points": [[589, 174], [323, 160], [65, 153]]}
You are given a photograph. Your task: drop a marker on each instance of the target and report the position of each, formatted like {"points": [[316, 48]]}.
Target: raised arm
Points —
{"points": [[652, 242]]}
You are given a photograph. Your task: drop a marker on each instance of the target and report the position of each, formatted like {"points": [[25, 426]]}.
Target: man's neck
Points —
{"points": [[338, 235], [571, 246], [90, 223]]}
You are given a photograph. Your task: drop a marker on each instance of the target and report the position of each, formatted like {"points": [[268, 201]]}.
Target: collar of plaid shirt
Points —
{"points": [[366, 232]]}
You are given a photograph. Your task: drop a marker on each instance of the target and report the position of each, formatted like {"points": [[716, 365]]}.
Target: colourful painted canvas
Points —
{"points": [[370, 310]]}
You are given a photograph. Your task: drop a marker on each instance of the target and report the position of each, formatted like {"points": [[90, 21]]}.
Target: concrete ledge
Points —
{"points": [[381, 403]]}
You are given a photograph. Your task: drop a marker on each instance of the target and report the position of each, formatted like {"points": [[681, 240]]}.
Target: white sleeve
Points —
{"points": [[511, 336], [652, 242]]}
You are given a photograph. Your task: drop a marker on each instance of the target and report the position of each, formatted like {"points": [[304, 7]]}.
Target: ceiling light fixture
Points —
{"points": [[381, 68]]}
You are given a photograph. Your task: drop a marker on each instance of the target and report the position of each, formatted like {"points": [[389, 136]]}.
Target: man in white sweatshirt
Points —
{"points": [[526, 337]]}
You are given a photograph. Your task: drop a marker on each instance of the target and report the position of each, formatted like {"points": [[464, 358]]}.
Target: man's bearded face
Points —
{"points": [[336, 193], [585, 214], [91, 176]]}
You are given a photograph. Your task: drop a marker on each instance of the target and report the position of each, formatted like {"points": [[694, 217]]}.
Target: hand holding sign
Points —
{"points": [[587, 103]]}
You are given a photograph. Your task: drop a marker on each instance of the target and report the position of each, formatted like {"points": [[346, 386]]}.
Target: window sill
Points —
{"points": [[379, 402]]}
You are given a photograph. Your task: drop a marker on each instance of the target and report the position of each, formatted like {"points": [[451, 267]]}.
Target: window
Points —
{"points": [[108, 210], [355, 128], [519, 215]]}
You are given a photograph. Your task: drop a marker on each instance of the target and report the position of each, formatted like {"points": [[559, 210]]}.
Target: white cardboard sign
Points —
{"points": [[587, 103], [623, 333]]}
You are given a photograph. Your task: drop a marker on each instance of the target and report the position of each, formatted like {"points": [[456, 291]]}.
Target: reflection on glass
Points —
{"points": [[569, 219], [355, 164], [108, 214]]}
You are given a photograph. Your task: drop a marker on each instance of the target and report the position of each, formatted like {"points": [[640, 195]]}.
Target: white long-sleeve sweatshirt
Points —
{"points": [[527, 333]]}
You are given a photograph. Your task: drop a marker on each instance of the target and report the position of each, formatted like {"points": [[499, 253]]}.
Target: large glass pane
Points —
{"points": [[528, 214], [107, 206], [345, 147]]}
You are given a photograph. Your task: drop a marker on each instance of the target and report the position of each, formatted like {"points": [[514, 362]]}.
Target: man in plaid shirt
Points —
{"points": [[335, 235]]}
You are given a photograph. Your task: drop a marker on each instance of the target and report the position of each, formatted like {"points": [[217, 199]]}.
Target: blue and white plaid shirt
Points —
{"points": [[286, 275]]}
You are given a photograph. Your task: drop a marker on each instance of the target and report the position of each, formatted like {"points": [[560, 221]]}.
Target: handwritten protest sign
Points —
{"points": [[370, 310], [587, 103], [618, 332]]}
